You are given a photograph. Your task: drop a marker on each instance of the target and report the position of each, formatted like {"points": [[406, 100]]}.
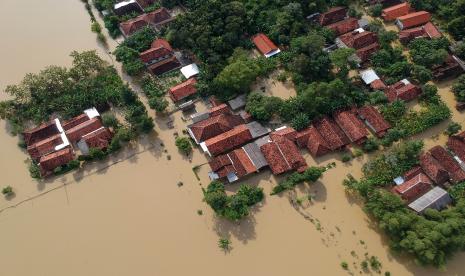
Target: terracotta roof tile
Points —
{"points": [[402, 91], [412, 173], [393, 12], [414, 19], [331, 133], [41, 132], [287, 132], [283, 155], [264, 44], [445, 159], [414, 188], [358, 39], [374, 120], [433, 169], [53, 160], [316, 144], [228, 140], [75, 121], [214, 126], [366, 52], [75, 134], [378, 85], [164, 65], [219, 109], [160, 49], [99, 138], [333, 15], [344, 26], [351, 125], [183, 90], [457, 145], [44, 147]]}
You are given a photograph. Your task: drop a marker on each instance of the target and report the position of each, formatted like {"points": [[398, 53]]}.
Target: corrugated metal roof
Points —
{"points": [[368, 76], [436, 198], [257, 130], [254, 153], [238, 102]]}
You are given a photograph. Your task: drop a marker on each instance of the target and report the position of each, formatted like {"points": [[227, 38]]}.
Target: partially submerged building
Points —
{"points": [[226, 141], [265, 45], [126, 7], [402, 90], [374, 120], [183, 90], [160, 57], [413, 188], [351, 125], [282, 155], [332, 134], [344, 26], [437, 198], [155, 19], [213, 126], [433, 169], [456, 144], [456, 173], [333, 15], [372, 79], [313, 141], [429, 30], [450, 68]]}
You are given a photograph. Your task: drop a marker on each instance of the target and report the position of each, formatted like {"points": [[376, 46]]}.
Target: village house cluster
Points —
{"points": [[55, 143], [424, 186]]}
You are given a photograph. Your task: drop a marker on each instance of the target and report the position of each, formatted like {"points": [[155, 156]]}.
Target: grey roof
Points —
{"points": [[262, 141], [363, 22], [437, 198], [368, 76], [238, 102], [255, 154], [200, 116], [257, 130]]}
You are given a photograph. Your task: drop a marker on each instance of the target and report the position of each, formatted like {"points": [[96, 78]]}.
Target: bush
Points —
{"points": [[312, 174], [159, 104], [109, 120], [7, 191], [184, 145], [371, 144], [346, 158], [300, 122], [34, 170], [376, 10], [459, 89], [453, 128]]}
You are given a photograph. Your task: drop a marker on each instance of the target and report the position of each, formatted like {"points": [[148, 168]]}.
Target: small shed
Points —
{"points": [[190, 70], [437, 198], [238, 102]]}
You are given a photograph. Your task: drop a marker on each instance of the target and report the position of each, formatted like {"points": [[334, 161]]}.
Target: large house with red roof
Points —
{"points": [[227, 141], [282, 155], [413, 20], [331, 133], [402, 90], [392, 13], [183, 90], [344, 26], [154, 19], [313, 141], [213, 126], [160, 57], [429, 30], [456, 144], [351, 125], [333, 15], [358, 39], [265, 45], [456, 173], [433, 169], [374, 120], [450, 68], [51, 144]]}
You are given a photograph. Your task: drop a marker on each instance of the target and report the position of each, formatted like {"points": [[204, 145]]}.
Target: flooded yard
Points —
{"points": [[127, 215]]}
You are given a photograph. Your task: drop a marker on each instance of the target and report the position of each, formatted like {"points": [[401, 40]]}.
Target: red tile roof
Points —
{"points": [[228, 140], [242, 163], [44, 147], [431, 30], [156, 17], [405, 36], [316, 144], [344, 26], [433, 169], [351, 125], [333, 15], [402, 91], [366, 52], [145, 3], [412, 173], [264, 44], [449, 68], [457, 145], [287, 132], [160, 49], [99, 138], [53, 160], [414, 19], [414, 188], [219, 109], [331, 133], [75, 121], [183, 90], [393, 12], [214, 126], [302, 137], [358, 39], [378, 85], [283, 155], [374, 120], [75, 134], [41, 132], [445, 159], [164, 65]]}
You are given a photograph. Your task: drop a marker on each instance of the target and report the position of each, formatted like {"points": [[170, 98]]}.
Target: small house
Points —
{"points": [[183, 90], [227, 141], [437, 198], [351, 125], [414, 188], [331, 133], [413, 20], [265, 45], [391, 13], [344, 26], [433, 169], [282, 155], [457, 174], [333, 15], [374, 120]]}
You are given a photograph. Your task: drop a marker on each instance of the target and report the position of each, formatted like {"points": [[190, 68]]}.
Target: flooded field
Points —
{"points": [[128, 215]]}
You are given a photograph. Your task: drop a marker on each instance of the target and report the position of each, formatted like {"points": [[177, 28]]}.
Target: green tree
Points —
{"points": [[453, 128], [459, 89], [184, 145], [301, 121]]}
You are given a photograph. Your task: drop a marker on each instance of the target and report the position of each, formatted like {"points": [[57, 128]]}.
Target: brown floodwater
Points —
{"points": [[127, 215]]}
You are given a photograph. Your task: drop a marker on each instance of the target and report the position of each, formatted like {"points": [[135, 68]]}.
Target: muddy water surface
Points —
{"points": [[128, 216]]}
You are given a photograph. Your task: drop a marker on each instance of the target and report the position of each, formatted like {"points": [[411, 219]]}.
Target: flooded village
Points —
{"points": [[141, 210]]}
